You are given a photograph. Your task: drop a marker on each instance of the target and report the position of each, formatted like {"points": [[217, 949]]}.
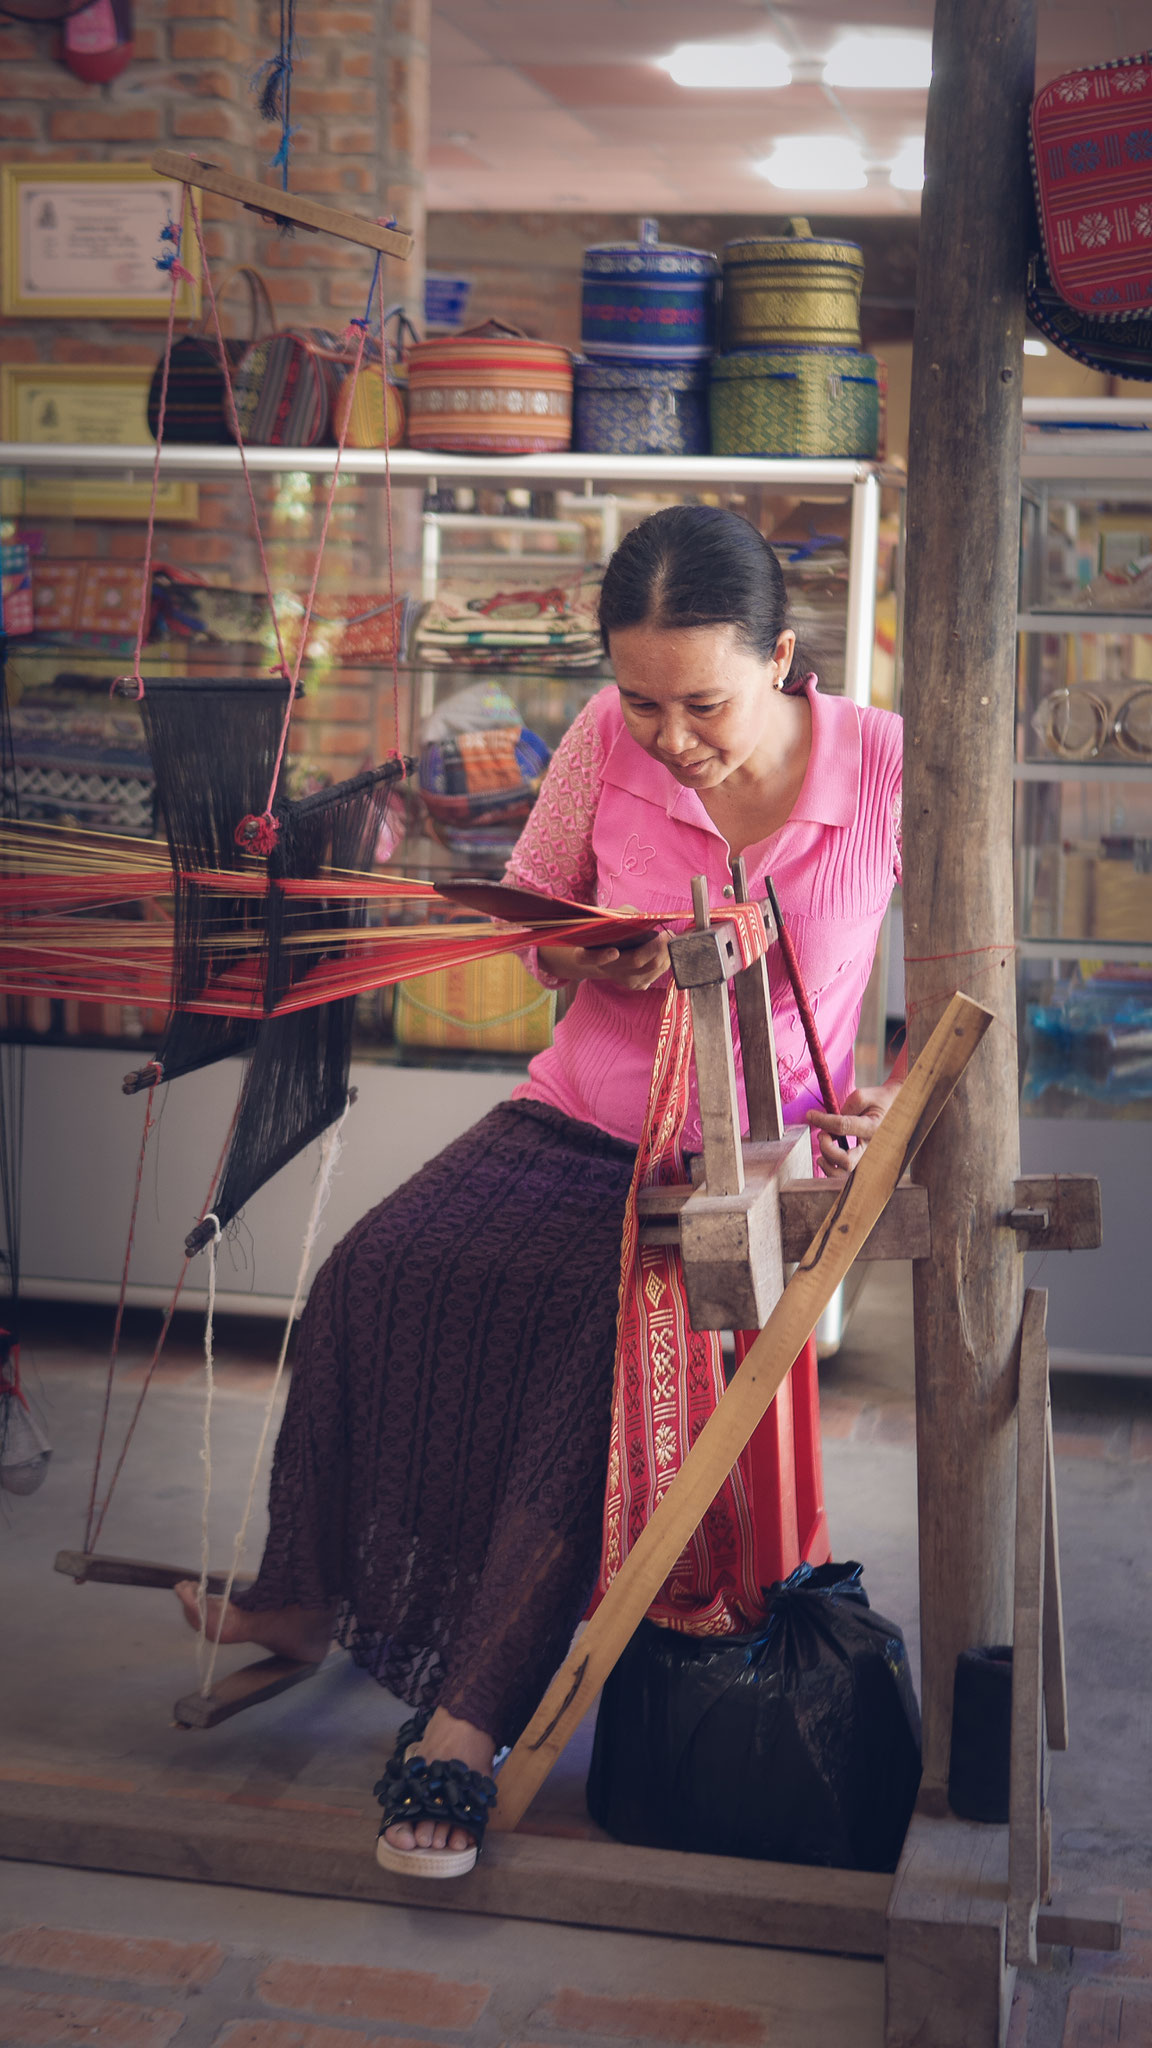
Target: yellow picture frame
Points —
{"points": [[74, 403], [69, 228]]}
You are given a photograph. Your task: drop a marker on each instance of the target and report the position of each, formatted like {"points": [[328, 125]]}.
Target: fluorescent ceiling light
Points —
{"points": [[1035, 348], [751, 66], [815, 163], [906, 169], [888, 61]]}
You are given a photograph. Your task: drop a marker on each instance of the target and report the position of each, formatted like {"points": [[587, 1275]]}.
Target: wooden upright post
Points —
{"points": [[959, 691], [947, 1983]]}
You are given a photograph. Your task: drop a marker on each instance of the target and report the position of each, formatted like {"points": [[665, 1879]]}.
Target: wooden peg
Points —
{"points": [[757, 1039]]}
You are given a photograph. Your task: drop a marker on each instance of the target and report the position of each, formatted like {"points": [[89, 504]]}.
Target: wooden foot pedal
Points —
{"points": [[248, 1687], [89, 1565]]}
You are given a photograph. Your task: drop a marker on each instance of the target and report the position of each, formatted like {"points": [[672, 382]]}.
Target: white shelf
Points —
{"points": [[187, 460], [1085, 622], [1137, 952], [1080, 771]]}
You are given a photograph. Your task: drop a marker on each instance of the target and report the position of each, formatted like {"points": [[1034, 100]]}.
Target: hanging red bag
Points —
{"points": [[1091, 145]]}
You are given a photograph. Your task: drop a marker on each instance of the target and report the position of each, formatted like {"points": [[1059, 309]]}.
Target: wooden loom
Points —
{"points": [[946, 1916], [752, 1213]]}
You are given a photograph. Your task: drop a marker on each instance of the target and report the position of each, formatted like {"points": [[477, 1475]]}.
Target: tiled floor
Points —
{"points": [[129, 1962]]}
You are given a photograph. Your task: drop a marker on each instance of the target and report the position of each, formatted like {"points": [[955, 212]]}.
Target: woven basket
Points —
{"points": [[794, 291], [795, 402], [648, 301], [640, 409], [489, 390], [475, 1006]]}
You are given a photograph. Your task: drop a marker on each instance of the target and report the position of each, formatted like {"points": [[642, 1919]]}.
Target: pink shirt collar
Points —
{"points": [[829, 795]]}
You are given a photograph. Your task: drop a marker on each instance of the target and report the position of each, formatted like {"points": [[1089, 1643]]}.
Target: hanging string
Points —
{"points": [[378, 282], [206, 1447], [329, 1158], [258, 834], [281, 665], [169, 1313], [149, 1126], [169, 261], [273, 83]]}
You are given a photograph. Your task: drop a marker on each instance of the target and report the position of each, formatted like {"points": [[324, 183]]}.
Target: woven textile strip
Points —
{"points": [[669, 1377]]}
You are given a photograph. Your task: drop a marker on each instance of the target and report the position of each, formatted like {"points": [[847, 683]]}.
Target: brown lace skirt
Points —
{"points": [[440, 1468]]}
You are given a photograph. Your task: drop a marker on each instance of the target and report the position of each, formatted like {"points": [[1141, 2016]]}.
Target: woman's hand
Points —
{"points": [[636, 969], [860, 1113]]}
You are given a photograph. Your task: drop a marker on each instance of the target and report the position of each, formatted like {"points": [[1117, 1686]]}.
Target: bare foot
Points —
{"points": [[445, 1737], [304, 1633]]}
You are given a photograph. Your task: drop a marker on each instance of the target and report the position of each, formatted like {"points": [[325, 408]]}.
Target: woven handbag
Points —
{"points": [[1118, 348], [361, 399], [288, 385], [1090, 136], [194, 409]]}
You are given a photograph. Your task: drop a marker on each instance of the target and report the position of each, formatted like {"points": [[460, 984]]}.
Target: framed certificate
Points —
{"points": [[84, 239], [77, 403]]}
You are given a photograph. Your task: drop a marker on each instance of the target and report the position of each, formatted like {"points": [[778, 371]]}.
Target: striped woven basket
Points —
{"points": [[489, 390]]}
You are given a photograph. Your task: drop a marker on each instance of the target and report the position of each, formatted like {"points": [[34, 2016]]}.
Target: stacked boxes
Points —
{"points": [[648, 321], [791, 378]]}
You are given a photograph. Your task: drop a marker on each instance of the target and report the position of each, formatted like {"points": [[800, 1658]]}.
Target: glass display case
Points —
{"points": [[1083, 844], [480, 550], [456, 522]]}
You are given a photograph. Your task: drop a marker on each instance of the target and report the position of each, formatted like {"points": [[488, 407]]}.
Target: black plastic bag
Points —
{"points": [[798, 1743]]}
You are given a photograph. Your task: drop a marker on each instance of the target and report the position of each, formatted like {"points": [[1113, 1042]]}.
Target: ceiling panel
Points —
{"points": [[562, 100]]}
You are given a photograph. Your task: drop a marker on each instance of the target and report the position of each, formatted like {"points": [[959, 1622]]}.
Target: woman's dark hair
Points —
{"points": [[699, 565]]}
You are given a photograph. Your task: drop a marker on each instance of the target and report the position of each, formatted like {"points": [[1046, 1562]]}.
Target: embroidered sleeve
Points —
{"points": [[898, 833], [554, 852]]}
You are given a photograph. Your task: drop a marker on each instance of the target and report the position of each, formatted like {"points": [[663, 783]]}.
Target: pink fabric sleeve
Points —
{"points": [[898, 833], [554, 852]]}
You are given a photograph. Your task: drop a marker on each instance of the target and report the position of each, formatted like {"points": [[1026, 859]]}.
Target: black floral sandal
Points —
{"points": [[412, 1789]]}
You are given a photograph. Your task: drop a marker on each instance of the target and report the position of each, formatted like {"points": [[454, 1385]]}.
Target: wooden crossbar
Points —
{"points": [[754, 1387], [282, 206]]}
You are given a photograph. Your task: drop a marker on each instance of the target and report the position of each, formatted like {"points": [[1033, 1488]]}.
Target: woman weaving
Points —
{"points": [[438, 1493]]}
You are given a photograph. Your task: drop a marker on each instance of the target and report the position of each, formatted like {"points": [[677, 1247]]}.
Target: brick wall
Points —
{"points": [[359, 111]]}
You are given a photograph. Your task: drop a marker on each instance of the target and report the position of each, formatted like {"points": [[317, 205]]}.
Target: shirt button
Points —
{"points": [[729, 891]]}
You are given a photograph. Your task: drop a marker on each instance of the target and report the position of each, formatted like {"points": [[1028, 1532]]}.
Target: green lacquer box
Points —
{"points": [[795, 402]]}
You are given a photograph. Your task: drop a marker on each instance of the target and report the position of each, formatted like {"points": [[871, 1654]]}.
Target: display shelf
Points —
{"points": [[1083, 844]]}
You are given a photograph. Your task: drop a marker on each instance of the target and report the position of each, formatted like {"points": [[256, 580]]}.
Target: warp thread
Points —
{"points": [[206, 1450]]}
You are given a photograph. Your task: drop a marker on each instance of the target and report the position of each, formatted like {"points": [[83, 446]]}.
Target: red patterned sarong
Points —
{"points": [[769, 1513]]}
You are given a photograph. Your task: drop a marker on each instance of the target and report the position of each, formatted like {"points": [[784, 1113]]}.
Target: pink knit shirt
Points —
{"points": [[614, 827]]}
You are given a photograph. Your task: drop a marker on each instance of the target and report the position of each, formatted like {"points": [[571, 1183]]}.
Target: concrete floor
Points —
{"points": [[91, 1673]]}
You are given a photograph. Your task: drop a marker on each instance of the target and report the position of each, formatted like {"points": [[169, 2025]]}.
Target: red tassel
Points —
{"points": [[257, 834]]}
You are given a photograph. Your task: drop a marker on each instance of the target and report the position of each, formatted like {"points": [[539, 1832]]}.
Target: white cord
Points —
{"points": [[206, 1445], [329, 1156]]}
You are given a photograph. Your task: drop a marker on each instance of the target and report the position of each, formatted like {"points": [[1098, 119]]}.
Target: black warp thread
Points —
{"points": [[297, 1079], [213, 746]]}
